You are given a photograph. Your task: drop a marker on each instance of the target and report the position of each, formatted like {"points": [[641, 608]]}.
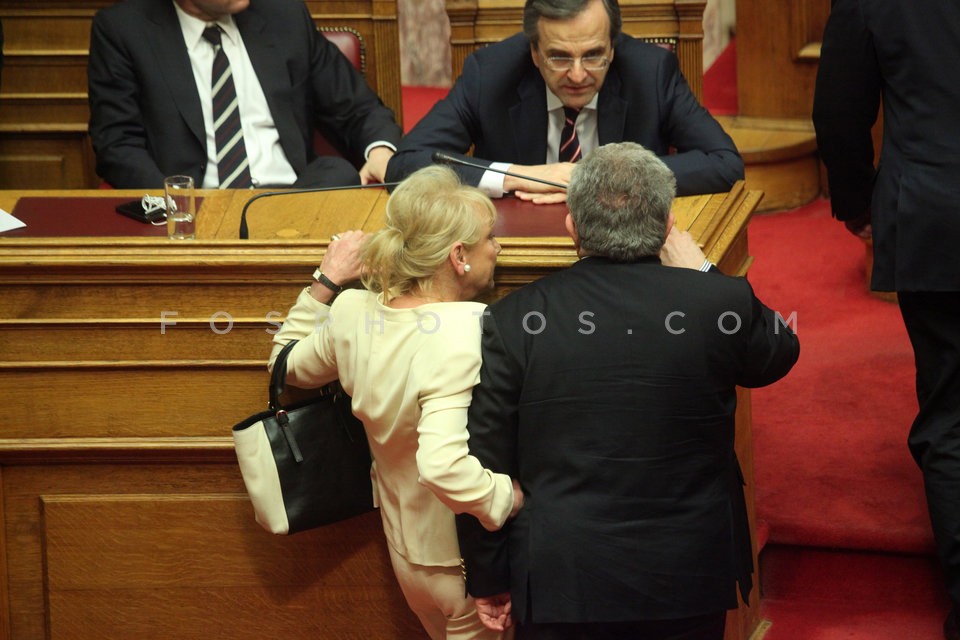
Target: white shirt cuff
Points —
{"points": [[492, 181], [378, 143]]}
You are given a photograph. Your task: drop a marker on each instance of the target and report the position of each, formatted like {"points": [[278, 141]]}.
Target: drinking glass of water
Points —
{"points": [[181, 213]]}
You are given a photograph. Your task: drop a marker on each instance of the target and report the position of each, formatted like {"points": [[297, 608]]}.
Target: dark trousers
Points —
{"points": [[327, 171], [704, 627], [933, 324]]}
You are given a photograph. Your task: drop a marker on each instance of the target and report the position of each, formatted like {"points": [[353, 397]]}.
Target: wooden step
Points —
{"points": [[780, 158]]}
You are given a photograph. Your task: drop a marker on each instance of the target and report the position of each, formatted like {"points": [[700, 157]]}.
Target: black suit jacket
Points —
{"points": [[145, 116], [499, 106], [609, 391], [905, 52]]}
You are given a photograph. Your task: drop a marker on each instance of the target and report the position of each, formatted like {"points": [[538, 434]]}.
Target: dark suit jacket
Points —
{"points": [[608, 390], [145, 117], [906, 52], [499, 105]]}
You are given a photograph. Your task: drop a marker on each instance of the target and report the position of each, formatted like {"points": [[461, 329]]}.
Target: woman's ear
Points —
{"points": [[458, 257]]}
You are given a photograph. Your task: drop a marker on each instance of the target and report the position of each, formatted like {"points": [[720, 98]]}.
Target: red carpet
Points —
{"points": [[831, 460], [826, 595], [720, 83]]}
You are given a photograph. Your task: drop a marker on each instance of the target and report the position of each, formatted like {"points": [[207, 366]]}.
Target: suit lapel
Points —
{"points": [[528, 118], [274, 80], [170, 51], [611, 110]]}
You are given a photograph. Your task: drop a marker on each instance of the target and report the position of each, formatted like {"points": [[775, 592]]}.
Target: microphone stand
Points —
{"points": [[244, 234], [442, 158]]}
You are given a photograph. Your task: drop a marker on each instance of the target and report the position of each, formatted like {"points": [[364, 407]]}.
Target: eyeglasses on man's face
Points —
{"points": [[566, 63]]}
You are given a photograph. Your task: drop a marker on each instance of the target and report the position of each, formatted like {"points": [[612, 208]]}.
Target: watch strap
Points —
{"points": [[319, 276]]}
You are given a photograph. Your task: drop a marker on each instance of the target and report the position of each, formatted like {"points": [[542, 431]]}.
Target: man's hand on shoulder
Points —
{"points": [[375, 168], [681, 250], [537, 192]]}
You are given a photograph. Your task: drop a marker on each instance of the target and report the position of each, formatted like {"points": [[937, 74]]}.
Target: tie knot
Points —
{"points": [[571, 114], [212, 35]]}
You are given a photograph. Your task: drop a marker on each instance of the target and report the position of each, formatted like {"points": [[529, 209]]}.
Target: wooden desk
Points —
{"points": [[123, 364]]}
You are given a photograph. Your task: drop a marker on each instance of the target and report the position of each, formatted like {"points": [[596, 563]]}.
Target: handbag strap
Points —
{"points": [[278, 380]]}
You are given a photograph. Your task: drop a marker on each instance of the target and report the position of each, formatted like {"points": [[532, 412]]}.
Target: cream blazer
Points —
{"points": [[411, 374]]}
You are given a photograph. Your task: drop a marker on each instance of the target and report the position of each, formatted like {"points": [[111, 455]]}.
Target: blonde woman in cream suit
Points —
{"points": [[407, 350]]}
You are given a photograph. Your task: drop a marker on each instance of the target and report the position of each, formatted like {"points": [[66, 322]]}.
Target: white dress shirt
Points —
{"points": [[268, 164], [492, 182]]}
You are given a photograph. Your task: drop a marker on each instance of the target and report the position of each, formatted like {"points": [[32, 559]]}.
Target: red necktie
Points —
{"points": [[569, 144]]}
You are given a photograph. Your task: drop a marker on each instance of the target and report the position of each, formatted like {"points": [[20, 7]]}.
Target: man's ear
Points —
{"points": [[533, 54], [572, 230], [670, 222]]}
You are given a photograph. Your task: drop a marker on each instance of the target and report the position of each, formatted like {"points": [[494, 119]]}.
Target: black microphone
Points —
{"points": [[243, 213], [442, 158]]}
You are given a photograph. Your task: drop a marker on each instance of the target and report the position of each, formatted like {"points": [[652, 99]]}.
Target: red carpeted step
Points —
{"points": [[832, 595]]}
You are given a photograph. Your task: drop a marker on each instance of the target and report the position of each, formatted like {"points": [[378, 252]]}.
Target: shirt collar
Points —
{"points": [[193, 28], [554, 103]]}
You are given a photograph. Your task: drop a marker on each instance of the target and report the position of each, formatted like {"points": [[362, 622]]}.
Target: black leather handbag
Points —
{"points": [[306, 464]]}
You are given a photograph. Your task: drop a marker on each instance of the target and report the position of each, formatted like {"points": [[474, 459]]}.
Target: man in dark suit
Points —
{"points": [[905, 53], [151, 110], [609, 391], [513, 100]]}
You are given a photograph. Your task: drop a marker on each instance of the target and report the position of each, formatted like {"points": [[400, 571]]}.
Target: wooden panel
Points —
{"points": [[61, 159], [136, 400], [777, 52], [122, 551], [477, 23], [115, 568]]}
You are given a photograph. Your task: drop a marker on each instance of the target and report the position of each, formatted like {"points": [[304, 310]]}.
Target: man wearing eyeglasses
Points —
{"points": [[539, 101]]}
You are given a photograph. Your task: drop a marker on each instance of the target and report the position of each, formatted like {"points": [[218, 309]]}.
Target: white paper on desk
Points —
{"points": [[8, 222]]}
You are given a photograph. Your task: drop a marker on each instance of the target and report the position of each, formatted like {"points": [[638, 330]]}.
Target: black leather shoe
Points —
{"points": [[951, 626]]}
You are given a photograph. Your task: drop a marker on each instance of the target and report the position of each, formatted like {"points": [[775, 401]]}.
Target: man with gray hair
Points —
{"points": [[538, 101], [609, 391]]}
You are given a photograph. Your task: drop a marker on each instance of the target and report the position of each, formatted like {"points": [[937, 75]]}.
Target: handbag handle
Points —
{"points": [[278, 384], [278, 380]]}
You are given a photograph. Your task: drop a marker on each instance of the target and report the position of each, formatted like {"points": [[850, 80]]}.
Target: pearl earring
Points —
{"points": [[466, 267]]}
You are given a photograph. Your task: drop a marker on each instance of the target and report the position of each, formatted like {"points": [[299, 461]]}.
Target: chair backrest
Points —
{"points": [[350, 43]]}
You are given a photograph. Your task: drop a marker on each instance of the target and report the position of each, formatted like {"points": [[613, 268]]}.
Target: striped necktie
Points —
{"points": [[233, 166], [569, 144]]}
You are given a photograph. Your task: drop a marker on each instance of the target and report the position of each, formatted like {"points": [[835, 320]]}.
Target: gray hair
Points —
{"points": [[533, 10], [620, 197]]}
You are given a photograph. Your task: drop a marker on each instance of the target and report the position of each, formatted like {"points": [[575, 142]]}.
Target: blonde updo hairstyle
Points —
{"points": [[426, 215]]}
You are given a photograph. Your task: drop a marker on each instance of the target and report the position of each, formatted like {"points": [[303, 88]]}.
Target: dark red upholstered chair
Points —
{"points": [[351, 45]]}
